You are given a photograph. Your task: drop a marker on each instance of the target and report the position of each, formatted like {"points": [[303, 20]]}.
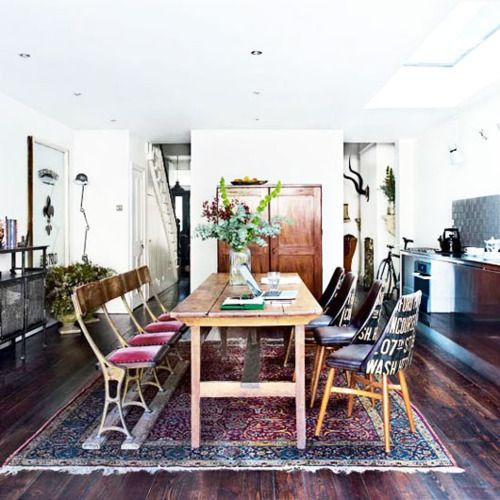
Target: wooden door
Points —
{"points": [[260, 255], [298, 248]]}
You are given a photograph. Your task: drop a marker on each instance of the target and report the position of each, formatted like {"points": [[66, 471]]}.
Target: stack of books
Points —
{"points": [[243, 303]]}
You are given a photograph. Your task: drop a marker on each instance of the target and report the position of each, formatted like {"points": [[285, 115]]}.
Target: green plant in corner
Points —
{"points": [[60, 284], [389, 185]]}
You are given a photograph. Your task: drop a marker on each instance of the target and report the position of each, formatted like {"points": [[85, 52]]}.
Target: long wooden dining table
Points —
{"points": [[203, 309]]}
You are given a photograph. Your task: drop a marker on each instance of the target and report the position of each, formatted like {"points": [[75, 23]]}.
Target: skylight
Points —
{"points": [[456, 61], [466, 28]]}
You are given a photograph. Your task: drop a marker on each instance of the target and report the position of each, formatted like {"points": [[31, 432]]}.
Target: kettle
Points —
{"points": [[450, 241]]}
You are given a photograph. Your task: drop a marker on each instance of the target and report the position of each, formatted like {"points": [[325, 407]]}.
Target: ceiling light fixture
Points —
{"points": [[24, 55], [77, 94], [257, 119], [113, 120], [256, 92], [256, 52]]}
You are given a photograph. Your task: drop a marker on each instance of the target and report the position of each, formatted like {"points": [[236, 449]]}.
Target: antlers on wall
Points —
{"points": [[358, 185]]}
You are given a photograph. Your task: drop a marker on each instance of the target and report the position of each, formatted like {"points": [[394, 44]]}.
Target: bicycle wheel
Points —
{"points": [[384, 274]]}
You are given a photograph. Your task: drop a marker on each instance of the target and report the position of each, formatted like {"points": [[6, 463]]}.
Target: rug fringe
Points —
{"points": [[107, 471]]}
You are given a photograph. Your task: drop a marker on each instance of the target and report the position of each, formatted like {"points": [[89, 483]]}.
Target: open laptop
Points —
{"points": [[268, 295]]}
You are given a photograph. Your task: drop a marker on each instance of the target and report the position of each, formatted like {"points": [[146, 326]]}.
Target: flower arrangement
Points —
{"points": [[62, 280], [234, 223]]}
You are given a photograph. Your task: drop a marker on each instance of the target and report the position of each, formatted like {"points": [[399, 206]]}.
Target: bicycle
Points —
{"points": [[386, 272]]}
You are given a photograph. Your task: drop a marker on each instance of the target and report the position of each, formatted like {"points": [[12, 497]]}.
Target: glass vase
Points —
{"points": [[236, 259]]}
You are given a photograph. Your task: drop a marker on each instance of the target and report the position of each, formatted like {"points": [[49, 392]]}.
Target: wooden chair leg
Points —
{"points": [[406, 398], [350, 400], [289, 347], [324, 402], [317, 373], [386, 407], [372, 388]]}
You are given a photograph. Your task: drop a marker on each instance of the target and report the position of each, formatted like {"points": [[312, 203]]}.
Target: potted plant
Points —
{"points": [[389, 189], [60, 284], [233, 222]]}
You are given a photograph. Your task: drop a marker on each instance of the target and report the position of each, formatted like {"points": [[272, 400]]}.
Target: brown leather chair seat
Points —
{"points": [[350, 357], [332, 336]]}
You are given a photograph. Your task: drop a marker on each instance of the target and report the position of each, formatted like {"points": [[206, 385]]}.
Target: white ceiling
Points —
{"points": [[162, 68]]}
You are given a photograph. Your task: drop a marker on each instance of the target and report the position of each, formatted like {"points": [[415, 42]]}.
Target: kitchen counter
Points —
{"points": [[460, 308], [490, 261]]}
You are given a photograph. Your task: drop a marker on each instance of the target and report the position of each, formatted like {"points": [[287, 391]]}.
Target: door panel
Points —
{"points": [[298, 248], [260, 255]]}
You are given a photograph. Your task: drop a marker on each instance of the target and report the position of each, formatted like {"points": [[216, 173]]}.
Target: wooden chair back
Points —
{"points": [[144, 275], [130, 281], [332, 287], [393, 351], [113, 287]]}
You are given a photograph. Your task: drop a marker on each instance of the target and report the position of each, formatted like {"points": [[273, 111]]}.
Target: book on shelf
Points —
{"points": [[243, 303]]}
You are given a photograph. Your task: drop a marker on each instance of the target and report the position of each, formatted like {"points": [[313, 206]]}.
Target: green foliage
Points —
{"points": [[389, 185], [235, 224], [62, 280]]}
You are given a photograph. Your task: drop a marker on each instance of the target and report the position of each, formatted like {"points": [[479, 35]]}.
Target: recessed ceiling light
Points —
{"points": [[256, 119], [256, 52], [77, 94], [256, 92], [113, 120], [24, 55]]}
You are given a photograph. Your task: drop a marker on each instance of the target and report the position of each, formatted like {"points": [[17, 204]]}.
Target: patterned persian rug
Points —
{"points": [[247, 433]]}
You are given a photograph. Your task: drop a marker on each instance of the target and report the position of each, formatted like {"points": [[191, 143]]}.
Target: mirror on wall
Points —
{"points": [[48, 199]]}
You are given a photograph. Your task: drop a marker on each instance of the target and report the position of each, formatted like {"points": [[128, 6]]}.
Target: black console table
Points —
{"points": [[22, 295]]}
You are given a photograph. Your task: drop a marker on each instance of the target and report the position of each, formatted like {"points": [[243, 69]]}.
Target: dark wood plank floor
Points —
{"points": [[462, 407]]}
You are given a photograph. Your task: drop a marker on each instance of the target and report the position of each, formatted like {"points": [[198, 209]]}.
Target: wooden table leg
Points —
{"points": [[195, 386], [300, 393]]}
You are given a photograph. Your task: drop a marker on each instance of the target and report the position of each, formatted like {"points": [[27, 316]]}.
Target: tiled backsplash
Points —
{"points": [[477, 219]]}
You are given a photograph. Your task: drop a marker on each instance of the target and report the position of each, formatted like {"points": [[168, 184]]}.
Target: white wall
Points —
{"points": [[438, 183], [17, 122], [352, 198], [374, 160], [293, 156]]}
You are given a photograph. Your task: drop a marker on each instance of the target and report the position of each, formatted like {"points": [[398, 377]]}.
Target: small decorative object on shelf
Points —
{"points": [[10, 233], [246, 181], [346, 213], [389, 189], [234, 223], [60, 283]]}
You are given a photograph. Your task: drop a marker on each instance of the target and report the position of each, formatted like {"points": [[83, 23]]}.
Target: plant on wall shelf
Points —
{"points": [[389, 185]]}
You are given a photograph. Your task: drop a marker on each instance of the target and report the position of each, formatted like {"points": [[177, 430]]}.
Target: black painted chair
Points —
{"points": [[338, 311], [332, 287], [363, 327], [390, 355]]}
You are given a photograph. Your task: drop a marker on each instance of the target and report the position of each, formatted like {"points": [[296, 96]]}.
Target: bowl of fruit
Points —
{"points": [[247, 181]]}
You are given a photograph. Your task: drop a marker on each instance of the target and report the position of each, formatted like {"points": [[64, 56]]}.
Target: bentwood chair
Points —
{"points": [[131, 283], [113, 288], [120, 367], [363, 326], [390, 355], [144, 277]]}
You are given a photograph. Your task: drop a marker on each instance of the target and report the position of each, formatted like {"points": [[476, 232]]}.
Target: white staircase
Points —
{"points": [[162, 261]]}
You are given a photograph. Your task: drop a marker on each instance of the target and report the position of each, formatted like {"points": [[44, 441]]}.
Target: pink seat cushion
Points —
{"points": [[128, 355], [165, 317], [151, 339], [163, 326]]}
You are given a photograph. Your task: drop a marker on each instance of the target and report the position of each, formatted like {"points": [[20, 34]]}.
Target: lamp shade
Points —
{"points": [[81, 179]]}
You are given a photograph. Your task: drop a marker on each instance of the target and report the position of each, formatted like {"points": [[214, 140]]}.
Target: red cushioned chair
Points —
{"points": [[122, 366], [113, 288], [131, 283]]}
